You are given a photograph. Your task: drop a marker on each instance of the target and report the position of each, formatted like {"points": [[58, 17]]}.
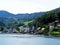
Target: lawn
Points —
{"points": [[26, 23]]}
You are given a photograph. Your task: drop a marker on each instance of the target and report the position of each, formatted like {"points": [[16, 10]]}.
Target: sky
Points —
{"points": [[28, 6]]}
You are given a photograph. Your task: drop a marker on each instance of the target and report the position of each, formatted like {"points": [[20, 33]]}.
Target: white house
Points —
{"points": [[42, 29], [38, 28], [14, 30], [21, 28], [26, 29]]}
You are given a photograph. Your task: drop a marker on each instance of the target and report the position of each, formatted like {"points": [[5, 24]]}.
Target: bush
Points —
{"points": [[55, 33]]}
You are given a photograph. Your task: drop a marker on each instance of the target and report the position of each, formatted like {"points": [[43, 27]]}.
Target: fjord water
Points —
{"points": [[25, 39]]}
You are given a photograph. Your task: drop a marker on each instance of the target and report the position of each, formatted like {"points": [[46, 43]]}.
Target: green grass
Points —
{"points": [[26, 23], [55, 33]]}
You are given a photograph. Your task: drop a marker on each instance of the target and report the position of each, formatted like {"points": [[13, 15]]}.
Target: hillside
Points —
{"points": [[48, 17], [29, 16], [25, 17], [8, 19]]}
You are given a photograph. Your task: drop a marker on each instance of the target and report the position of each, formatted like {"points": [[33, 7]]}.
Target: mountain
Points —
{"points": [[26, 17], [5, 14], [48, 17], [29, 16], [7, 18]]}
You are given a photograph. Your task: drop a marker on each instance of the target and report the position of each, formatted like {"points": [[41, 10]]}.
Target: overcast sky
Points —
{"points": [[28, 6]]}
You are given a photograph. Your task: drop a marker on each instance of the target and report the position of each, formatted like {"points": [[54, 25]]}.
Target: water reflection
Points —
{"points": [[13, 39]]}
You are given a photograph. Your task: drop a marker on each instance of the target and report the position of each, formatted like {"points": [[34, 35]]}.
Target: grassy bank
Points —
{"points": [[55, 33]]}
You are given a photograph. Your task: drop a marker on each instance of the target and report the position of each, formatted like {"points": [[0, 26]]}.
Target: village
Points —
{"points": [[52, 27]]}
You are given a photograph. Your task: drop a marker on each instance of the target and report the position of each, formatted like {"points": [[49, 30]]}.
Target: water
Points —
{"points": [[25, 39]]}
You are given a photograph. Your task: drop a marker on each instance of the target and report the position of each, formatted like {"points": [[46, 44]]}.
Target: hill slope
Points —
{"points": [[6, 14], [48, 17]]}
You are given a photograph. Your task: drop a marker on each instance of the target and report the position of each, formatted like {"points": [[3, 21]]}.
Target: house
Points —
{"points": [[15, 31], [5, 30], [58, 25], [9, 30], [31, 29], [26, 29], [56, 21], [51, 25], [21, 29], [42, 29], [39, 28]]}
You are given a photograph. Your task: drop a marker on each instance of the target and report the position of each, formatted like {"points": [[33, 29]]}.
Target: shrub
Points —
{"points": [[55, 33]]}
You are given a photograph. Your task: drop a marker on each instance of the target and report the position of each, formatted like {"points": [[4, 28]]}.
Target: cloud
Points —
{"points": [[28, 6]]}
